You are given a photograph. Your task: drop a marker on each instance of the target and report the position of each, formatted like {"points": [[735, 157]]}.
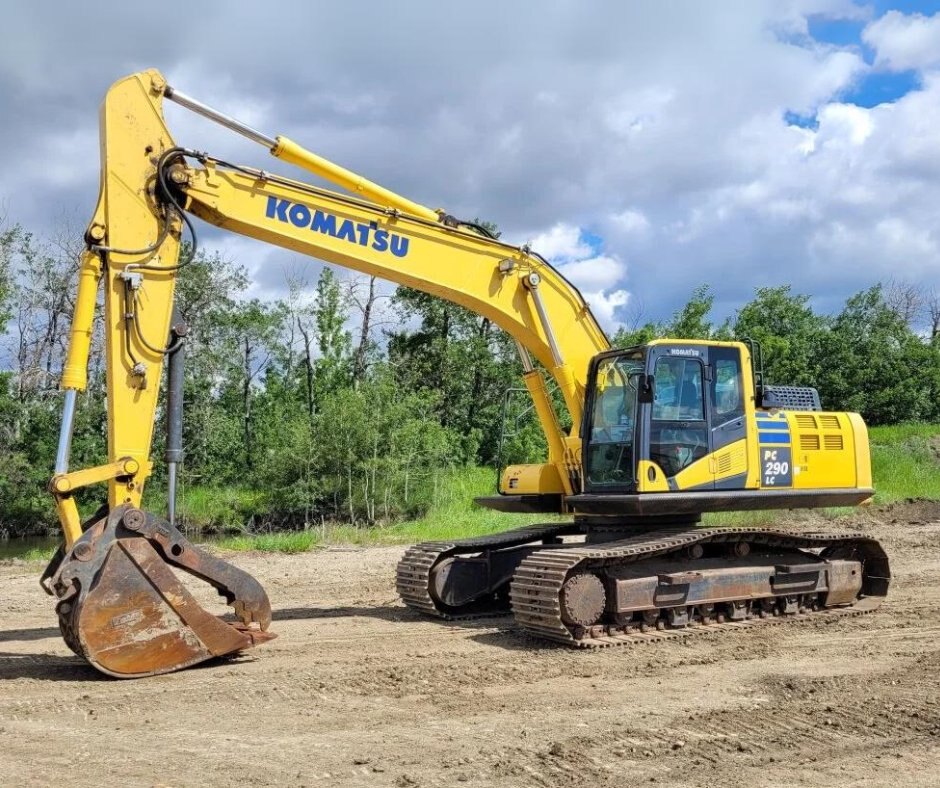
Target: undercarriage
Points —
{"points": [[575, 584]]}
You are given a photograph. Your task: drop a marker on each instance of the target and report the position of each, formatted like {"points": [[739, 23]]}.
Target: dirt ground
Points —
{"points": [[357, 690]]}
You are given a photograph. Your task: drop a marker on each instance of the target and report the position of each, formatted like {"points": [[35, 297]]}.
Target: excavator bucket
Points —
{"points": [[123, 608]]}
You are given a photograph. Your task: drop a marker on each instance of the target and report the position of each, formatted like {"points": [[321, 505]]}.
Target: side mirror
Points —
{"points": [[646, 388]]}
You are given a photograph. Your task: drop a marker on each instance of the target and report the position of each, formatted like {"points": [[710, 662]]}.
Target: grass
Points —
{"points": [[905, 461], [454, 515], [219, 508], [288, 542], [905, 464]]}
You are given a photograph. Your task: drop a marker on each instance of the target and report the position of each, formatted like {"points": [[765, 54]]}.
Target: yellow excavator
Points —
{"points": [[661, 433]]}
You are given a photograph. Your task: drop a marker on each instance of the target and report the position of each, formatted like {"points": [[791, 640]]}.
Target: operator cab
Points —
{"points": [[653, 411]]}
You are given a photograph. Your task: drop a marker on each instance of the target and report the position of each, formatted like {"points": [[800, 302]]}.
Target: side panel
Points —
{"points": [[824, 451], [539, 479], [862, 450], [804, 450], [775, 450]]}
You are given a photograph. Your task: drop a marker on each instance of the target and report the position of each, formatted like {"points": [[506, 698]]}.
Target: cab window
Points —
{"points": [[613, 419], [679, 391], [678, 434], [727, 396]]}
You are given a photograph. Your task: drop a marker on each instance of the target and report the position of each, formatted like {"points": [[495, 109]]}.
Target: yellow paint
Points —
{"points": [[535, 383], [824, 448], [69, 518], [863, 476], [75, 371], [538, 479], [68, 482], [658, 483], [700, 473], [291, 152], [731, 460], [457, 264]]}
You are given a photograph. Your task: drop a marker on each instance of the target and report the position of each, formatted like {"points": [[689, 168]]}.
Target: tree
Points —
{"points": [[8, 238], [330, 311], [364, 295], [789, 332], [692, 321], [462, 356], [208, 291], [905, 299], [638, 335], [872, 362]]}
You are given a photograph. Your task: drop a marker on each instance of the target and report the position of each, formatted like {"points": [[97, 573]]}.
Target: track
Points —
{"points": [[413, 574], [536, 586]]}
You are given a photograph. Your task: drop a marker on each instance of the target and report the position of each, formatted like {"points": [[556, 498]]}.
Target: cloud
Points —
{"points": [[595, 273], [561, 243], [904, 42], [597, 276], [631, 221], [659, 129]]}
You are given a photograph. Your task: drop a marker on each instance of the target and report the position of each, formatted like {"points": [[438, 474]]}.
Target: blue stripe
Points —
{"points": [[773, 425], [773, 437]]}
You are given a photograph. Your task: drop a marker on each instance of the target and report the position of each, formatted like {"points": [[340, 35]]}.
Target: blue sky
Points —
{"points": [[645, 148], [876, 86]]}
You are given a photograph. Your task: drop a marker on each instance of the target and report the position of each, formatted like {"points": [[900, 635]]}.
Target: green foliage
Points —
{"points": [[789, 333], [450, 516], [289, 542], [905, 461], [371, 454], [876, 365], [465, 358], [291, 423], [334, 367], [637, 336], [692, 321], [8, 239]]}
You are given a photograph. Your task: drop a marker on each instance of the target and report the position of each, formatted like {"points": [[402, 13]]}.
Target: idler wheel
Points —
{"points": [[583, 600]]}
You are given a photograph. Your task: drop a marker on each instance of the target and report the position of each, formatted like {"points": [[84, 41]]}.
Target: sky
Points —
{"points": [[645, 148]]}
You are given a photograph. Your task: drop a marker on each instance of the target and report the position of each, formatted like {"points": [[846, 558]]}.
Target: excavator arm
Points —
{"points": [[120, 606]]}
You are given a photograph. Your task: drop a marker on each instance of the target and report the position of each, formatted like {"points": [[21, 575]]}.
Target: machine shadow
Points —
{"points": [[19, 635], [47, 667], [393, 614], [512, 638], [51, 667]]}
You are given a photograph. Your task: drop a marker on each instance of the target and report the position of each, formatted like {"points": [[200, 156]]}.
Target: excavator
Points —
{"points": [[661, 433]]}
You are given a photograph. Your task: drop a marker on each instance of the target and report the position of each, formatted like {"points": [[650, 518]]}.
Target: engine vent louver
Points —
{"points": [[805, 422], [809, 442]]}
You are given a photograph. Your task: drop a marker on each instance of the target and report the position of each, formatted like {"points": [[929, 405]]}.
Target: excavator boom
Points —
{"points": [[670, 429], [120, 606]]}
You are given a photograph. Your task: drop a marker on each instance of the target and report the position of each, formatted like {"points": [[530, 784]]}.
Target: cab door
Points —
{"points": [[728, 426], [679, 435]]}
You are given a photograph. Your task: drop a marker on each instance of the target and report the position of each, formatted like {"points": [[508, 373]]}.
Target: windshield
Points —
{"points": [[610, 451]]}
